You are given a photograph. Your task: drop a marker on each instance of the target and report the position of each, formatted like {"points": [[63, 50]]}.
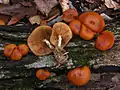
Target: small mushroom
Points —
{"points": [[36, 40], [69, 15], [61, 35], [60, 30], [42, 74]]}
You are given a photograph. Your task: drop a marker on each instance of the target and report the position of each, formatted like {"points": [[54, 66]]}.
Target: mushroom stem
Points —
{"points": [[65, 53], [59, 41], [48, 44]]}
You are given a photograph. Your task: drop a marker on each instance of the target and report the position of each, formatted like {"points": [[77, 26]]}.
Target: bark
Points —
{"points": [[16, 74], [21, 74], [18, 28]]}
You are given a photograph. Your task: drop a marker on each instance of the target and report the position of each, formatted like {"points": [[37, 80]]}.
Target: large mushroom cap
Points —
{"points": [[63, 30], [35, 40]]}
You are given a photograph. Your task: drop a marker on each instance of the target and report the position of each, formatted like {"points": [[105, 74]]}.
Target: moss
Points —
{"points": [[82, 56]]}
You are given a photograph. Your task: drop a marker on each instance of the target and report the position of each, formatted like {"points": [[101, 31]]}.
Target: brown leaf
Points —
{"points": [[118, 1], [25, 3], [1, 1], [53, 13], [15, 19], [17, 12], [35, 19], [19, 1], [5, 1], [17, 9], [45, 6], [5, 18], [112, 4]]}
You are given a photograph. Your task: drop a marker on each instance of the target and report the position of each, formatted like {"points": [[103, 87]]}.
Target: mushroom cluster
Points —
{"points": [[45, 40], [87, 25], [15, 52]]}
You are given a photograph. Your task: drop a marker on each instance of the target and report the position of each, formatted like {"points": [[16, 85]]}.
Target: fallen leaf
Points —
{"points": [[17, 12], [53, 13], [35, 19], [25, 3], [15, 19], [19, 1], [118, 1], [5, 1], [112, 4], [5, 18], [1, 1], [17, 9], [45, 6], [64, 4]]}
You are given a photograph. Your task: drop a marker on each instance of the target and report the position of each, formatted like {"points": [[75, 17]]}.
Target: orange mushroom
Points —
{"points": [[23, 48], [79, 76], [105, 40], [86, 33], [93, 21], [70, 15], [75, 26], [15, 52], [42, 74], [8, 49], [16, 55], [36, 40]]}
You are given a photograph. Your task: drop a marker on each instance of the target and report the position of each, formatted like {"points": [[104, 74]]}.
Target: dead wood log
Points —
{"points": [[81, 52]]}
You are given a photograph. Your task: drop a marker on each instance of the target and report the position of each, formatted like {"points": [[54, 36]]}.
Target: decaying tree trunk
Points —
{"points": [[20, 75], [16, 74]]}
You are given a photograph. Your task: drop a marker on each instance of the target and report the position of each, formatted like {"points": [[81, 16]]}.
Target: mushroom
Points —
{"points": [[61, 35], [70, 15], [36, 40], [63, 31], [43, 41]]}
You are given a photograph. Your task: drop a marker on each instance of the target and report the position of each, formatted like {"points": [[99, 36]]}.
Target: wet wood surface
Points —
{"points": [[105, 66]]}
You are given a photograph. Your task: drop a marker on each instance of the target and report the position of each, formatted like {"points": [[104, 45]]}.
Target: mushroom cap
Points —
{"points": [[69, 15], [62, 29], [35, 40]]}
